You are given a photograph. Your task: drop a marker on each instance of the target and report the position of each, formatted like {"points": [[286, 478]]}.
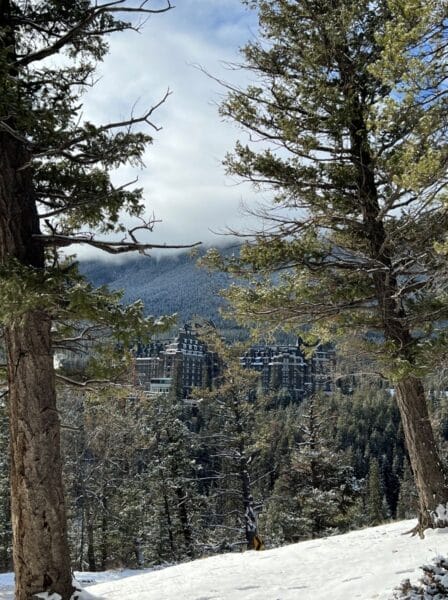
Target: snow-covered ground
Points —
{"points": [[365, 565]]}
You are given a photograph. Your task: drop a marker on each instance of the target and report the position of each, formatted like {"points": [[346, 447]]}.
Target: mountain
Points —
{"points": [[169, 284]]}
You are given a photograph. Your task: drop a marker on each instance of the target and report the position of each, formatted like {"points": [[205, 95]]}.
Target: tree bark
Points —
{"points": [[40, 549], [250, 514], [104, 532], [90, 538], [40, 546], [428, 470], [181, 496]]}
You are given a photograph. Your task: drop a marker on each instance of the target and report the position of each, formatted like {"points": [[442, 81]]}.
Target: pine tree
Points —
{"points": [[374, 500], [230, 410], [132, 480], [176, 507], [407, 504], [317, 493], [55, 192], [433, 583], [367, 423], [354, 157]]}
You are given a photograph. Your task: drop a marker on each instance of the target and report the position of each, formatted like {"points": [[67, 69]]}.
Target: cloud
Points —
{"points": [[184, 180]]}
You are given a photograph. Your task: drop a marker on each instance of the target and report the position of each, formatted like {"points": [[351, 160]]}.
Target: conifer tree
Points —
{"points": [[356, 165], [173, 528], [230, 409], [407, 498], [374, 500], [316, 493], [132, 480], [55, 192]]}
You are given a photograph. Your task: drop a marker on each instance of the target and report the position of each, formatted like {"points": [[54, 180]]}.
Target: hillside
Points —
{"points": [[166, 285], [365, 565]]}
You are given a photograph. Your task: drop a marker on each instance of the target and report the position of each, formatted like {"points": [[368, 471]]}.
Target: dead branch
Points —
{"points": [[62, 241]]}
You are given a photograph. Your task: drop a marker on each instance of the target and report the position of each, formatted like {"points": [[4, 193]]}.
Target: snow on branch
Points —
{"points": [[121, 247]]}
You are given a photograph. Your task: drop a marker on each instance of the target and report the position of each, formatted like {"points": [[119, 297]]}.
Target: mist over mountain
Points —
{"points": [[167, 284]]}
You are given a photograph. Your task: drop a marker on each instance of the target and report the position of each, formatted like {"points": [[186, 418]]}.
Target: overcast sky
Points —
{"points": [[184, 180]]}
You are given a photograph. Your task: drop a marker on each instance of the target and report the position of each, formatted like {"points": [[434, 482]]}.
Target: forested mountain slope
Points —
{"points": [[166, 285]]}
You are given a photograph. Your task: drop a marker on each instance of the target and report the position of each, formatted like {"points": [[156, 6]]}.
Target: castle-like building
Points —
{"points": [[185, 363], [287, 373], [181, 364]]}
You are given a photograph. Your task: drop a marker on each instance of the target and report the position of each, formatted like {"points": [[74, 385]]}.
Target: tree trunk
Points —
{"points": [[428, 471], [104, 532], [169, 525], [250, 516], [90, 539], [40, 546], [184, 520], [40, 549]]}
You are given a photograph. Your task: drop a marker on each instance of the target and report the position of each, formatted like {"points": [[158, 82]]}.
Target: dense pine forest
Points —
{"points": [[168, 284], [152, 481]]}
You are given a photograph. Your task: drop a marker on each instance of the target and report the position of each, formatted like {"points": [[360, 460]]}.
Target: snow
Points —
{"points": [[441, 514], [366, 565]]}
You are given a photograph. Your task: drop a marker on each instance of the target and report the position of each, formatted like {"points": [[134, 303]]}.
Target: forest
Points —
{"points": [[342, 124], [153, 481]]}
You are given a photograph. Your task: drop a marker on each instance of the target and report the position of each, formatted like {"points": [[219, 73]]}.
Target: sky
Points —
{"points": [[184, 180]]}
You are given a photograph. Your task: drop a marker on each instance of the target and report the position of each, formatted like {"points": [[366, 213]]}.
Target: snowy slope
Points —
{"points": [[364, 565]]}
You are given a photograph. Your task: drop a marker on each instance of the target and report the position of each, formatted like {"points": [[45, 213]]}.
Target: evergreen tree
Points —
{"points": [[367, 423], [374, 500], [407, 504], [132, 481], [176, 509], [230, 410], [55, 192], [356, 165], [317, 493], [433, 583]]}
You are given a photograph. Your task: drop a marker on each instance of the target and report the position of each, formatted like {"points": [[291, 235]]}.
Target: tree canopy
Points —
{"points": [[56, 192], [350, 145]]}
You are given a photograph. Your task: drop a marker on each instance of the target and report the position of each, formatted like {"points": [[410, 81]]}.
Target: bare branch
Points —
{"points": [[66, 199], [110, 247], [145, 118], [86, 384]]}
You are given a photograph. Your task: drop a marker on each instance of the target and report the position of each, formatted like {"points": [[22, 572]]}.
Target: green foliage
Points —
{"points": [[433, 583], [77, 306], [353, 155], [230, 411], [317, 492], [374, 504], [152, 480], [366, 423], [132, 481], [71, 158], [64, 184]]}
